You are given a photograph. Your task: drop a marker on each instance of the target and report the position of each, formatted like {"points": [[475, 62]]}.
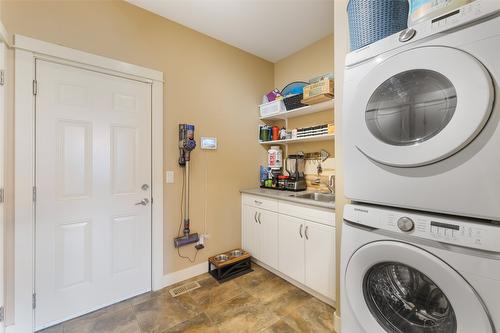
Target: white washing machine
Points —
{"points": [[408, 272], [421, 122]]}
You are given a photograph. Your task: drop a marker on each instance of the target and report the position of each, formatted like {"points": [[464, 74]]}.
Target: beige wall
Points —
{"points": [[341, 48], [208, 83], [314, 60]]}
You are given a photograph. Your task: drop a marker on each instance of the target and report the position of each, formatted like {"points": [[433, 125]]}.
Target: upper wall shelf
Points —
{"points": [[324, 137], [301, 111]]}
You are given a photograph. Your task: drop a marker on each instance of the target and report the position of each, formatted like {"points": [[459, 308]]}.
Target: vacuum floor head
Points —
{"points": [[186, 240]]}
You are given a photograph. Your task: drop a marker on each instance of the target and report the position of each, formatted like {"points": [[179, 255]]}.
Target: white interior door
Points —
{"points": [[93, 165], [2, 162]]}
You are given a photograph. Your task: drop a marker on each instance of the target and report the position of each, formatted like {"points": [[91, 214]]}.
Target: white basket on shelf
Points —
{"points": [[272, 108]]}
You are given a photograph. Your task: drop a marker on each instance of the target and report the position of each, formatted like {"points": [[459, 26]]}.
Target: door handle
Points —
{"points": [[305, 232], [258, 218], [143, 202], [255, 217], [300, 230]]}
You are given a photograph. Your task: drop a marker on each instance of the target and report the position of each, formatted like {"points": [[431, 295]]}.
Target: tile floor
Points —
{"points": [[256, 302]]}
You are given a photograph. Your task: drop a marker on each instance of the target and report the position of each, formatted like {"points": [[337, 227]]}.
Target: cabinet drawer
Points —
{"points": [[315, 214], [260, 202]]}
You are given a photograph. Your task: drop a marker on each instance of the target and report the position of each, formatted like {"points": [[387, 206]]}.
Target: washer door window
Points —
{"points": [[403, 299], [421, 106], [400, 288]]}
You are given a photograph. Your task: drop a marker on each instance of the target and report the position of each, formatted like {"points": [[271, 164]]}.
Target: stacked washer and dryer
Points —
{"points": [[421, 241]]}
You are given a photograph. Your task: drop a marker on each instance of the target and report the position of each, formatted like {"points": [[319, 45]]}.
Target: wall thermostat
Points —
{"points": [[208, 143]]}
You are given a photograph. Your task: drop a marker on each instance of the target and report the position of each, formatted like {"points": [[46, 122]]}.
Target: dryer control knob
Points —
{"points": [[406, 224], [407, 34]]}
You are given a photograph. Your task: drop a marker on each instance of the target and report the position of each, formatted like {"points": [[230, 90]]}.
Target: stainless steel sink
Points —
{"points": [[323, 197]]}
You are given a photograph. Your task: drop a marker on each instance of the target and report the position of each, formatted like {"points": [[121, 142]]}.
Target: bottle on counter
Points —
{"points": [[275, 157]]}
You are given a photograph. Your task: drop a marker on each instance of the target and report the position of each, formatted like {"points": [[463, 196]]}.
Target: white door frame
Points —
{"points": [[27, 50], [2, 184]]}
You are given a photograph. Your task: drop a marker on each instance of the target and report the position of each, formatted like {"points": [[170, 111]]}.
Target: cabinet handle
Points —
{"points": [[255, 217], [300, 231], [305, 232], [258, 202], [258, 218]]}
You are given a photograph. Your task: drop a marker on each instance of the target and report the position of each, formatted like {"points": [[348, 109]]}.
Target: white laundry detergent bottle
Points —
{"points": [[275, 157], [422, 10]]}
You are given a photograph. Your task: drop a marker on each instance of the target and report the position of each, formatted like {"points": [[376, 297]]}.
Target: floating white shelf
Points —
{"points": [[323, 106], [324, 137]]}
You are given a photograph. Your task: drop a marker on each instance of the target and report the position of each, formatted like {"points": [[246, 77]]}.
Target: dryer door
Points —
{"points": [[399, 288], [421, 106]]}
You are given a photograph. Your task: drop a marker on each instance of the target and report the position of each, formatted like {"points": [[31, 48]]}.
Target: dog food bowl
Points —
{"points": [[236, 253], [221, 257]]}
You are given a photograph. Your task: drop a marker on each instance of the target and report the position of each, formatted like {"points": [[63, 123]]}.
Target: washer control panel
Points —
{"points": [[466, 232], [406, 224]]}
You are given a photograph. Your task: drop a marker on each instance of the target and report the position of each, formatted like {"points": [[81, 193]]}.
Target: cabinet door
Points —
{"points": [[291, 247], [320, 258], [249, 226], [268, 237]]}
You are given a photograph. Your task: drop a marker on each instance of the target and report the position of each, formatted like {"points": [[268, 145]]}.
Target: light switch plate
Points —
{"points": [[169, 177]]}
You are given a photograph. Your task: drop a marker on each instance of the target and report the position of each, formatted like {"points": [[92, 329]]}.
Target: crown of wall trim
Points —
{"points": [[4, 36], [40, 47]]}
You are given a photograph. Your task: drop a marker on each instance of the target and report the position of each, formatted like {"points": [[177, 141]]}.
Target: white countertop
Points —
{"points": [[288, 196]]}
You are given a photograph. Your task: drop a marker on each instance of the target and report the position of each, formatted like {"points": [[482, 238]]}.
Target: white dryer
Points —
{"points": [[420, 119], [409, 272]]}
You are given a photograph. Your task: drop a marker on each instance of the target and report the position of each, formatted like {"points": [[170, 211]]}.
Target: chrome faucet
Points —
{"points": [[331, 184]]}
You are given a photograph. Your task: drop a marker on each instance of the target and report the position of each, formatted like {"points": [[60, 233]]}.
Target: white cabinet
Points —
{"points": [[260, 234], [268, 236], [306, 253], [249, 229], [296, 240], [291, 247], [320, 258]]}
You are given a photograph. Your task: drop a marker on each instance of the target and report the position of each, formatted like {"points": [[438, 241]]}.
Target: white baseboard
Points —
{"points": [[336, 322], [184, 274]]}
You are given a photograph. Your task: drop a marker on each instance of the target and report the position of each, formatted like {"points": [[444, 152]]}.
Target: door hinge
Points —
{"points": [[35, 87], [2, 195], [2, 77], [34, 193], [34, 301], [2, 314]]}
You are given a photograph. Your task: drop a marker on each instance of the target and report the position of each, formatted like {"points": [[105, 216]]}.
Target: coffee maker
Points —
{"points": [[295, 166]]}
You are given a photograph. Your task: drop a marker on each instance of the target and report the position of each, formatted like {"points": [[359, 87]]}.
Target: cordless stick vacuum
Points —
{"points": [[186, 145]]}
